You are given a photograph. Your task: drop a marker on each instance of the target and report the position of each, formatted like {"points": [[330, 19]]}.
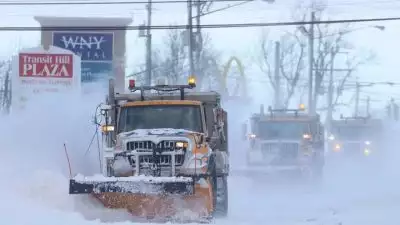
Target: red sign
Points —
{"points": [[45, 65]]}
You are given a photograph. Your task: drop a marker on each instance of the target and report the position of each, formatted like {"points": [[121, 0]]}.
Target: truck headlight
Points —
{"points": [[337, 147], [181, 144], [108, 128]]}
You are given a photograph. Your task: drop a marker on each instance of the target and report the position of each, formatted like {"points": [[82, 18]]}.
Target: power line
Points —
{"points": [[103, 2], [204, 26], [80, 2]]}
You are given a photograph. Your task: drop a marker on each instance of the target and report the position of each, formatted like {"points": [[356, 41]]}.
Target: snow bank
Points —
{"points": [[34, 168]]}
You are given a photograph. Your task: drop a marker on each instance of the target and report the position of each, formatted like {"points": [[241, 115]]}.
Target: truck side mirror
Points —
{"points": [[244, 131]]}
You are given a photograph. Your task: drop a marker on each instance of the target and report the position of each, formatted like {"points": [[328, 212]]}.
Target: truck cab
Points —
{"points": [[285, 140], [355, 136], [158, 141]]}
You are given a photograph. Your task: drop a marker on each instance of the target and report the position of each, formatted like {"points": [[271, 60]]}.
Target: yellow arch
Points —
{"points": [[224, 76]]}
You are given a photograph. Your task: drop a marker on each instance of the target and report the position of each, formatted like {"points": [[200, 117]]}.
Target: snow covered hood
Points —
{"points": [[157, 132]]}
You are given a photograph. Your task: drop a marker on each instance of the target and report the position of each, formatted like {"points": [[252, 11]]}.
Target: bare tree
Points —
{"points": [[291, 62], [175, 57], [139, 73], [172, 61], [351, 65], [329, 38]]}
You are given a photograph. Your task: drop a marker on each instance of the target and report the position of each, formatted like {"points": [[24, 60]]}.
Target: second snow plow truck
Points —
{"points": [[164, 155], [285, 141]]}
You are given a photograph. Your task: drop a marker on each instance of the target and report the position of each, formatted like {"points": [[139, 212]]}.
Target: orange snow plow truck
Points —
{"points": [[164, 154]]}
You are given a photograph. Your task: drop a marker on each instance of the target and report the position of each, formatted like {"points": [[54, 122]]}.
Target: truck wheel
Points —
{"points": [[221, 206], [219, 188]]}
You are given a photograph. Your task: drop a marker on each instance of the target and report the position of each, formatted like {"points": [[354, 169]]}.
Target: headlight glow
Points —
{"points": [[105, 128], [337, 148], [367, 142], [181, 144]]}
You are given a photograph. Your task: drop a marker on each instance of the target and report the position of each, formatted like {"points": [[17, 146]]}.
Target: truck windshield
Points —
{"points": [[361, 133], [186, 117], [282, 129]]}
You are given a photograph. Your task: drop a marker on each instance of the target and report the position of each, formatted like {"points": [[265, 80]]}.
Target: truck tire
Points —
{"points": [[219, 184], [221, 207], [318, 168]]}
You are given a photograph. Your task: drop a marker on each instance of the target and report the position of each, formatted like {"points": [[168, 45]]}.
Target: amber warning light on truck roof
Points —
{"points": [[192, 81]]}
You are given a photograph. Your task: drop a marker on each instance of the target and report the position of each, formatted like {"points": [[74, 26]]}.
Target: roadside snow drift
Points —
{"points": [[34, 168]]}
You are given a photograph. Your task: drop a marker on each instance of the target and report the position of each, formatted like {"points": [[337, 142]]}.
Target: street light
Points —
{"points": [[379, 27], [382, 28]]}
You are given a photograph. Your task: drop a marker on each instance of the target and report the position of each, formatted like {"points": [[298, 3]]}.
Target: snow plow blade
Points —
{"points": [[132, 185], [179, 199]]}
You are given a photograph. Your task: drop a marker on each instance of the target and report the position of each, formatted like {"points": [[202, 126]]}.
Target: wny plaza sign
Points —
{"points": [[102, 51], [95, 48], [90, 46]]}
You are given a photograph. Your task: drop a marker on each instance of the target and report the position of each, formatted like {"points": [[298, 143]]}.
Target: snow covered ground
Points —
{"points": [[34, 172]]}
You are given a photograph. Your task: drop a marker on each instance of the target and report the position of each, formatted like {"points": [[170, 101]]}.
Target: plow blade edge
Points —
{"points": [[148, 186]]}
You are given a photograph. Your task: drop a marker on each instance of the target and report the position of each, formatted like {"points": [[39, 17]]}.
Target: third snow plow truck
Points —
{"points": [[356, 137], [165, 154]]}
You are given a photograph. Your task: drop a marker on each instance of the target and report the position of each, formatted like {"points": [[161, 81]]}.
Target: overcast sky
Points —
{"points": [[240, 42]]}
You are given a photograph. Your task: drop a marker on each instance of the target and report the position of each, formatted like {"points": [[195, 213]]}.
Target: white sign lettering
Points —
{"points": [[82, 43]]}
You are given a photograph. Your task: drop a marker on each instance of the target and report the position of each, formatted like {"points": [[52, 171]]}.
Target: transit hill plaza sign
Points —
{"points": [[45, 65], [38, 71], [95, 49]]}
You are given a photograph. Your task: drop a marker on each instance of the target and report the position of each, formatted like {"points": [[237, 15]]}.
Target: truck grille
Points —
{"points": [[162, 160], [282, 150], [165, 152], [351, 146], [147, 146]]}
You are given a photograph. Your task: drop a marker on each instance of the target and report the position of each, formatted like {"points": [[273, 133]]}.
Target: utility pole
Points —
{"points": [[311, 65], [148, 44], [199, 40], [368, 106], [190, 38], [330, 95], [395, 111], [277, 75], [357, 99]]}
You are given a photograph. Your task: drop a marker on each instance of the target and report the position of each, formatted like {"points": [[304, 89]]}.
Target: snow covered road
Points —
{"points": [[34, 188], [347, 199], [43, 199]]}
